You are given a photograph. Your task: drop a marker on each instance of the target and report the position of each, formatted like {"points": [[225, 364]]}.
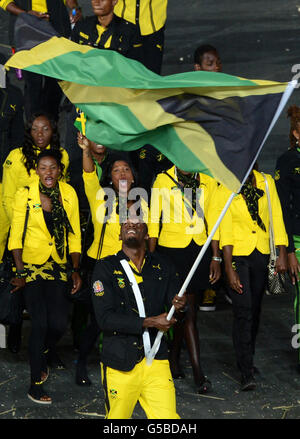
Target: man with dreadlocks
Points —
{"points": [[52, 226], [287, 177]]}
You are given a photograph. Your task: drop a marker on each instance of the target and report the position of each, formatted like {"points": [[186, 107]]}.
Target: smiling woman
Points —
{"points": [[53, 222]]}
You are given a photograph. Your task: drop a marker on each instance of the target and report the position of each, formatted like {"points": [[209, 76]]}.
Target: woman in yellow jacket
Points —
{"points": [[244, 239], [40, 259], [20, 165], [106, 217], [180, 223], [19, 170]]}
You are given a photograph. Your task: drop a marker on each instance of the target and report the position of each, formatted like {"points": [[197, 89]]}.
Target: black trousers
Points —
{"points": [[89, 334], [153, 47], [246, 307], [41, 93], [48, 307]]}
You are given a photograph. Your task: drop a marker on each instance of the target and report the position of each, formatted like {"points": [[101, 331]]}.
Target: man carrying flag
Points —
{"points": [[132, 280]]}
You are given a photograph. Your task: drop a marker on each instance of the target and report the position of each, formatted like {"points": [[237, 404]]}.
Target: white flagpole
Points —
{"points": [[285, 97]]}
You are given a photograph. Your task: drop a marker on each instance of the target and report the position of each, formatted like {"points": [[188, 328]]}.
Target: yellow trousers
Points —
{"points": [[151, 385]]}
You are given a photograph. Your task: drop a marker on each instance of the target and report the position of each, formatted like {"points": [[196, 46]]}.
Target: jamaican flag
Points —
{"points": [[202, 121]]}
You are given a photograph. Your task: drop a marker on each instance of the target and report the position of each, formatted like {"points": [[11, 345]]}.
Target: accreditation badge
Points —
{"points": [[98, 288]]}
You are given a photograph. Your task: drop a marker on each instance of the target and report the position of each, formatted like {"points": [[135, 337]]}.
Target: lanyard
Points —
{"points": [[140, 304]]}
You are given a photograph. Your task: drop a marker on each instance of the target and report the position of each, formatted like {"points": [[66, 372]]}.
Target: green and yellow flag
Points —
{"points": [[202, 121]]}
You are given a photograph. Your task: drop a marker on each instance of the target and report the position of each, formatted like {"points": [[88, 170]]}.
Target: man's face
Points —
{"points": [[133, 232], [210, 62], [102, 8]]}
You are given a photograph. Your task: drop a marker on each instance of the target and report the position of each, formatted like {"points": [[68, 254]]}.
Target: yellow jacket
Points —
{"points": [[152, 13], [4, 227], [38, 244], [237, 227], [178, 227], [111, 241], [15, 175]]}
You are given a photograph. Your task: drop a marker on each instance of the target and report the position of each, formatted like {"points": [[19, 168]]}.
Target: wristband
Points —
{"points": [[21, 273], [216, 258], [75, 270]]}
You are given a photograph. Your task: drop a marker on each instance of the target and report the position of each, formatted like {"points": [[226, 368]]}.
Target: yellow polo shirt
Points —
{"points": [[152, 13]]}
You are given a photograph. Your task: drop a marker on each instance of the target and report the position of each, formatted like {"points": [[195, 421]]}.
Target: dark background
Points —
{"points": [[258, 40]]}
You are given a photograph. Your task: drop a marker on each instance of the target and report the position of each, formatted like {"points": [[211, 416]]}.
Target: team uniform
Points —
{"points": [[250, 256], [126, 377], [11, 136], [119, 35], [287, 177], [16, 176], [46, 280], [150, 16], [181, 230]]}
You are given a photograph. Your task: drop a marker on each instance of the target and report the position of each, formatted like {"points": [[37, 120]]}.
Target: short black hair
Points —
{"points": [[119, 157], [53, 153], [201, 50]]}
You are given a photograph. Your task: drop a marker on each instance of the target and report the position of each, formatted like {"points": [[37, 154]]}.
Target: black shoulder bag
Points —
{"points": [[11, 304]]}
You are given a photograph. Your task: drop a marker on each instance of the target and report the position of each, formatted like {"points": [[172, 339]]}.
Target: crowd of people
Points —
{"points": [[85, 250]]}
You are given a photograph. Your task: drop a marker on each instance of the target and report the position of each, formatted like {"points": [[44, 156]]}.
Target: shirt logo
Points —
{"points": [[113, 393], [277, 175], [36, 207], [157, 266], [98, 288], [117, 272], [142, 154], [121, 282], [297, 171]]}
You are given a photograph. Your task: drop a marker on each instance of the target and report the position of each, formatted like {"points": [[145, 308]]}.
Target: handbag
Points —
{"points": [[11, 304], [276, 283]]}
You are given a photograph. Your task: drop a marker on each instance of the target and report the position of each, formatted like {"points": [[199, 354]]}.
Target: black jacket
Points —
{"points": [[287, 178], [125, 37], [116, 309], [59, 17], [11, 121]]}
